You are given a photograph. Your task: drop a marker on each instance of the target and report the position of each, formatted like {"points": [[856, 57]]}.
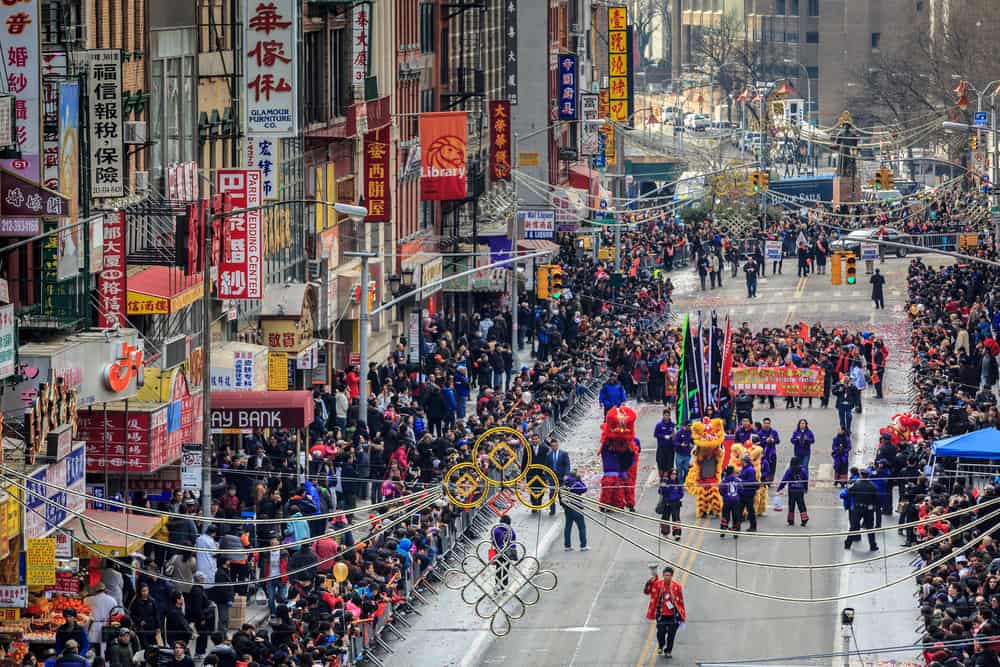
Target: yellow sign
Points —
{"points": [[527, 159], [619, 66], [149, 304], [606, 254], [13, 511], [610, 156], [41, 562], [277, 371], [10, 614], [290, 334]]}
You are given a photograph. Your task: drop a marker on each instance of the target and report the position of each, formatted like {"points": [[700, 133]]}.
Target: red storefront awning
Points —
{"points": [[161, 290], [582, 176], [243, 411]]}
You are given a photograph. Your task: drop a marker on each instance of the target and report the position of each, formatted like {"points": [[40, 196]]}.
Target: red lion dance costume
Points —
{"points": [[620, 457]]}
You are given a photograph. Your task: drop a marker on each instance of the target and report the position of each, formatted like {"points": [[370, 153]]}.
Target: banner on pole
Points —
{"points": [[442, 155], [778, 381]]}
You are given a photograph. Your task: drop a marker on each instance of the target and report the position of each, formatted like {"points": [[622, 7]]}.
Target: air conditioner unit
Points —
{"points": [[135, 132], [141, 181], [314, 270], [176, 350], [575, 28]]}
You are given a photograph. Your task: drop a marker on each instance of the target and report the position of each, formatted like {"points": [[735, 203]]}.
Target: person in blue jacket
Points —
{"points": [[796, 478], [664, 434], [462, 391], [450, 404], [612, 394], [881, 478], [671, 494], [729, 487], [802, 442], [748, 490]]}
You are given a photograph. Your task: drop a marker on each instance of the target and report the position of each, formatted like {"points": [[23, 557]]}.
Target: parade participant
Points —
{"points": [[763, 472], [878, 290], [744, 431], [802, 442], [841, 456], [750, 270], [682, 449], [618, 453], [844, 403], [706, 470], [632, 476], [796, 478], [612, 393], [502, 540], [729, 488], [744, 407], [573, 484], [747, 491], [669, 505], [664, 434], [769, 440], [666, 607]]}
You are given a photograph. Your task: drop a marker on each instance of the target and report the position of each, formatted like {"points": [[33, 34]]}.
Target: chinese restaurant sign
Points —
{"points": [[618, 64], [500, 140], [377, 175], [240, 264], [568, 87], [111, 281], [20, 23], [107, 154], [269, 39]]}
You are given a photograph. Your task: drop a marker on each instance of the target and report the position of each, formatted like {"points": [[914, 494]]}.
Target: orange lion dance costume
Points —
{"points": [[706, 466], [619, 456]]}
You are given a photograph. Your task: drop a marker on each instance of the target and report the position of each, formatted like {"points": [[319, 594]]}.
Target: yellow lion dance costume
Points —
{"points": [[703, 477], [756, 453]]}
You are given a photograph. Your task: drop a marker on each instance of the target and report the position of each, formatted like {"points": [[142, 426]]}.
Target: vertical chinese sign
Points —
{"points": [[20, 24], [510, 51], [360, 28], [376, 146], [8, 343], [270, 65], [55, 69], [589, 130], [240, 262], [107, 168], [442, 155], [263, 152], [568, 86], [500, 140], [111, 280], [618, 64]]}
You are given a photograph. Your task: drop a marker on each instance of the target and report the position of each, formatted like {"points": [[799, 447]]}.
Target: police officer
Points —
{"points": [[863, 495]]}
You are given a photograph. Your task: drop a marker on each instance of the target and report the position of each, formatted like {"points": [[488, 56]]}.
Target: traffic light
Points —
{"points": [[556, 281], [765, 180], [852, 269], [755, 181], [542, 282], [974, 142], [835, 268]]}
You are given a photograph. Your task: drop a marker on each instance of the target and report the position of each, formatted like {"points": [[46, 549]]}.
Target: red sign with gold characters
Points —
{"points": [[111, 281], [779, 381], [618, 64], [500, 140], [377, 175]]}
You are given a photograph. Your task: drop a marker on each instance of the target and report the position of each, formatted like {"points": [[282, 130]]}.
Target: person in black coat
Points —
{"points": [[222, 594], [198, 611], [175, 626], [878, 292], [863, 495]]}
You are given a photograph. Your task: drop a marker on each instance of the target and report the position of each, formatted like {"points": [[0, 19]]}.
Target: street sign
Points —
{"points": [[981, 119]]}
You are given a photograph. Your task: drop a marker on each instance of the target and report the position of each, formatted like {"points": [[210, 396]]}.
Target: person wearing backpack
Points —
{"points": [[796, 478]]}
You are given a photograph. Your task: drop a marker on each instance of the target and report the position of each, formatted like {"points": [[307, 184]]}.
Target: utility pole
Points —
{"points": [[514, 300], [206, 369], [363, 338]]}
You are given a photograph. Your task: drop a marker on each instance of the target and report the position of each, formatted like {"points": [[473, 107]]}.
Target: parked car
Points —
{"points": [[698, 122], [852, 241], [722, 125]]}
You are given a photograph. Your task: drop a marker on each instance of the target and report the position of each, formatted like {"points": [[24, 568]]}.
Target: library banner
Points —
{"points": [[442, 156]]}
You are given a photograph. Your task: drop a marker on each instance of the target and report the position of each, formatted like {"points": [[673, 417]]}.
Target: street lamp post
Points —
{"points": [[358, 213]]}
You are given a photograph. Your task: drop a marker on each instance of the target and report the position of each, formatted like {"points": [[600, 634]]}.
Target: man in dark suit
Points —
{"points": [[558, 461], [540, 456]]}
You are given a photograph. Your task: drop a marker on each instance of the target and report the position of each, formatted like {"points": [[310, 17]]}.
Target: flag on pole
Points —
{"points": [[726, 374], [687, 376]]}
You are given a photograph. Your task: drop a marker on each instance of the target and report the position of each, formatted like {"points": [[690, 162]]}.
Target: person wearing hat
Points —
{"points": [[70, 656], [119, 653], [71, 630], [101, 605]]}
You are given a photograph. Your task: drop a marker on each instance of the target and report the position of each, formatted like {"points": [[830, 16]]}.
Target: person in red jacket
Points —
{"points": [[666, 607]]}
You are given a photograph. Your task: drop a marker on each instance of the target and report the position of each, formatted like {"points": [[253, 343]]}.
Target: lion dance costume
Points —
{"points": [[706, 466], [619, 456]]}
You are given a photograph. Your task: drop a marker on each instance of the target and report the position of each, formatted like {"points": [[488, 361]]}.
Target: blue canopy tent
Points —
{"points": [[981, 445]]}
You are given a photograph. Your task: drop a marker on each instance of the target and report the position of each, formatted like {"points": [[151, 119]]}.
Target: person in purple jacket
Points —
{"points": [[671, 495], [729, 487], [744, 431], [747, 491], [802, 442], [796, 478], [503, 542], [841, 452], [769, 440], [682, 449], [664, 434]]}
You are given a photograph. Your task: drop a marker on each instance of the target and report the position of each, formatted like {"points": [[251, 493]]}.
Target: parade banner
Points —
{"points": [[442, 155], [869, 251], [779, 381], [772, 250]]}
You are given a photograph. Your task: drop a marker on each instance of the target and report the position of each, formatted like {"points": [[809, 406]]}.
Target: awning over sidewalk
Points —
{"points": [[92, 539], [243, 411], [161, 290], [535, 245]]}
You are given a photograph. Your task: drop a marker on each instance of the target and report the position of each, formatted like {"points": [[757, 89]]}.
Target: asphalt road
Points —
{"points": [[596, 615]]}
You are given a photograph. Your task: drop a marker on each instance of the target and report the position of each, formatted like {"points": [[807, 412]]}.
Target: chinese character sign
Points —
{"points": [[376, 181], [55, 70], [7, 341], [264, 153], [107, 164], [20, 24], [360, 30], [442, 155], [618, 64], [243, 370], [589, 130], [269, 36], [111, 285], [568, 87], [68, 180], [500, 141], [510, 51], [240, 261]]}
